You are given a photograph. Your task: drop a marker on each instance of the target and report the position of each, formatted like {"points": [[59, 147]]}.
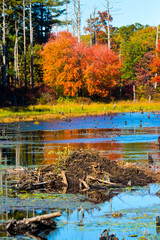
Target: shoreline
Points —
{"points": [[71, 109]]}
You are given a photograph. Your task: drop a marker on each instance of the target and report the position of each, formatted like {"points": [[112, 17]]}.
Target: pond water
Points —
{"points": [[128, 137]]}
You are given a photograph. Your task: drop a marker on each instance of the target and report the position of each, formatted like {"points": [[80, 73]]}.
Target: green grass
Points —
{"points": [[72, 109]]}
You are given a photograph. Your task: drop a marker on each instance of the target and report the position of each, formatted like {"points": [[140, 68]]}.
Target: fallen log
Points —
{"points": [[32, 225], [42, 217]]}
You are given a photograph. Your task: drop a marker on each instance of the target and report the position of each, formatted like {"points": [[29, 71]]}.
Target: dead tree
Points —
{"points": [[77, 12], [108, 27], [90, 25], [16, 67], [31, 42], [94, 25]]}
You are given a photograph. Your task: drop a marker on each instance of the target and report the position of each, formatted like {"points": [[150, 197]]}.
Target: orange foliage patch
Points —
{"points": [[73, 66]]}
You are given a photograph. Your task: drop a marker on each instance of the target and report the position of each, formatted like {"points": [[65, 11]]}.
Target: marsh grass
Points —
{"points": [[72, 109]]}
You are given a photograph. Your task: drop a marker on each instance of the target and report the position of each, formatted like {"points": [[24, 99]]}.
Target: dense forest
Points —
{"points": [[106, 63]]}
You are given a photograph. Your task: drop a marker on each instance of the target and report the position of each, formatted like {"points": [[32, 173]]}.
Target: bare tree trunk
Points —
{"points": [[134, 93], [4, 46], [78, 17], [67, 14], [31, 42], [91, 30], [24, 41], [108, 14], [73, 27], [95, 33], [75, 11], [79, 22], [16, 67]]}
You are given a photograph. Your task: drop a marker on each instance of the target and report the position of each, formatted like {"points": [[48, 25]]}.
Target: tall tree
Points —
{"points": [[4, 45], [31, 42], [99, 27], [16, 54], [108, 27], [24, 41], [77, 11]]}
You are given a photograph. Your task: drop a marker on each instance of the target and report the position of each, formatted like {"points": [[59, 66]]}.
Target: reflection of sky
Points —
{"points": [[132, 144], [121, 139], [132, 205], [117, 121]]}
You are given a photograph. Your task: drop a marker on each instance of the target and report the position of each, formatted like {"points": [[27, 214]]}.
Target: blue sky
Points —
{"points": [[124, 12]]}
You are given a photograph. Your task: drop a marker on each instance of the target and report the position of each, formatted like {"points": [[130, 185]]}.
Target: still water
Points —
{"points": [[126, 137]]}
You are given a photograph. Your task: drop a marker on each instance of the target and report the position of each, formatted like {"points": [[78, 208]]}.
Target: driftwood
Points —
{"points": [[32, 225], [64, 178], [103, 181], [84, 183]]}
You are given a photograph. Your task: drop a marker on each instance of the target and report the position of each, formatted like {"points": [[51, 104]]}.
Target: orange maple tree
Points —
{"points": [[102, 72], [74, 66], [62, 63]]}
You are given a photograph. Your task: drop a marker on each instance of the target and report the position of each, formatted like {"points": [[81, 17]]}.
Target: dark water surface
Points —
{"points": [[126, 137]]}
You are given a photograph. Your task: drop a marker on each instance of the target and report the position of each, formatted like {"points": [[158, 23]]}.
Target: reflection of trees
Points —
{"points": [[53, 144], [20, 148]]}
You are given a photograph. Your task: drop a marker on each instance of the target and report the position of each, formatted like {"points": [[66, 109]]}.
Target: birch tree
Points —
{"points": [[77, 11]]}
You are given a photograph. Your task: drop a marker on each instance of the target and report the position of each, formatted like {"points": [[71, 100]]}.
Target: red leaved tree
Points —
{"points": [[102, 72], [155, 66], [72, 67]]}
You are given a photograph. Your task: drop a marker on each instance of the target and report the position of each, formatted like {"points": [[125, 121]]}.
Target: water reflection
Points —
{"points": [[43, 147], [120, 137]]}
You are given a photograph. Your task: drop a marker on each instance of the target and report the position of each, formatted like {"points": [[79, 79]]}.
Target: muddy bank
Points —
{"points": [[83, 171]]}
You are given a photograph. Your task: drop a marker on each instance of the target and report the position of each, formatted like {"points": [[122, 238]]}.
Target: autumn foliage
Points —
{"points": [[73, 67], [62, 60], [155, 66], [102, 71]]}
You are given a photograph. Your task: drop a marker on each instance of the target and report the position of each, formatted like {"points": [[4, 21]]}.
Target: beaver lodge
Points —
{"points": [[83, 171]]}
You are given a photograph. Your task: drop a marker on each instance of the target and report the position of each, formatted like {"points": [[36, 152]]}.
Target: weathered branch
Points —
{"points": [[84, 183], [63, 175], [42, 217], [103, 181], [35, 219]]}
